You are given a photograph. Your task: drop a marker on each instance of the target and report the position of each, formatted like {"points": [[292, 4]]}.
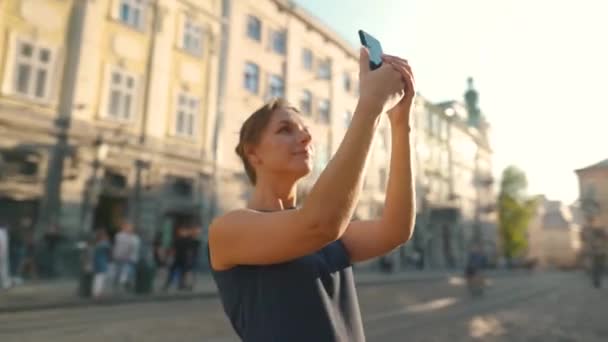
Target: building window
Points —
{"points": [[306, 102], [438, 124], [307, 59], [254, 28], [181, 186], [34, 67], [186, 115], [347, 82], [18, 164], [276, 86], [132, 13], [114, 180], [445, 130], [122, 95], [279, 41], [324, 111], [324, 71], [252, 77], [192, 40], [348, 116], [445, 163], [430, 122], [321, 157]]}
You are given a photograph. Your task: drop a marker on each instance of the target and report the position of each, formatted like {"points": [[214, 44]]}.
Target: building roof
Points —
{"points": [[556, 215], [318, 25], [601, 165]]}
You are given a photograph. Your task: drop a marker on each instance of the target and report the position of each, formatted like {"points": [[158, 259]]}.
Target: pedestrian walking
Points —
{"points": [[476, 261], [29, 266], [101, 261], [160, 259], [284, 270], [180, 255], [194, 245], [5, 274], [52, 239], [125, 255], [17, 248]]}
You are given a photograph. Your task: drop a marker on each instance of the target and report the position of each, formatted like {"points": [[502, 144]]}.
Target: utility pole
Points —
{"points": [[50, 206], [219, 120], [144, 163]]}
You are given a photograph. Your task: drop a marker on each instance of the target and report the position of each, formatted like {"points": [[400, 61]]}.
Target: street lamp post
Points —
{"points": [[140, 165], [93, 185], [50, 206]]}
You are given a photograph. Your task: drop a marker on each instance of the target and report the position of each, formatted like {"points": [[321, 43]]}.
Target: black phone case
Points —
{"points": [[372, 65]]}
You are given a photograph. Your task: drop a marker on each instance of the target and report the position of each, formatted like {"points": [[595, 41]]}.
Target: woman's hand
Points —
{"points": [[400, 113], [379, 88]]}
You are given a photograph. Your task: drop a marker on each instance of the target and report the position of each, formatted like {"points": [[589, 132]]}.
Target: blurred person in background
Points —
{"points": [[17, 249], [125, 256], [101, 261], [473, 271], [29, 266], [160, 257], [5, 274], [194, 245], [52, 239], [284, 271], [180, 253], [598, 251]]}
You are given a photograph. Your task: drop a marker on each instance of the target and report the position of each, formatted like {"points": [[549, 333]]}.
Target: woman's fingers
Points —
{"points": [[387, 56], [400, 63], [394, 59], [405, 72]]}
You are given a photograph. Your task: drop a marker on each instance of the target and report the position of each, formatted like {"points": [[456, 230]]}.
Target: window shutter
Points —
{"points": [[269, 40], [146, 19], [205, 40], [10, 73], [115, 9], [172, 127], [105, 91], [54, 80], [181, 29], [265, 87], [138, 101]]}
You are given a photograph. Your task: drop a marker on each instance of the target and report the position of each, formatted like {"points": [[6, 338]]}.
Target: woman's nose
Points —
{"points": [[305, 136]]}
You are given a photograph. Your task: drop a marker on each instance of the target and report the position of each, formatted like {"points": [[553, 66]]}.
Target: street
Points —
{"points": [[523, 307]]}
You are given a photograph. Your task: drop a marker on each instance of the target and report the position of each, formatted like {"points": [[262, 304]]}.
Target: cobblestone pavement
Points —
{"points": [[537, 307]]}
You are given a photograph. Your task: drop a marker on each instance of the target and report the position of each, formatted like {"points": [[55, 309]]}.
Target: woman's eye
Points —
{"points": [[284, 129]]}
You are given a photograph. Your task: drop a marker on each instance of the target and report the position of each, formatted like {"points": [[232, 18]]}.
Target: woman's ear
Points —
{"points": [[252, 156]]}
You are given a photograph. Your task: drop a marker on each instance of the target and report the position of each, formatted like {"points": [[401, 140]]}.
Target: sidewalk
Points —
{"points": [[63, 293]]}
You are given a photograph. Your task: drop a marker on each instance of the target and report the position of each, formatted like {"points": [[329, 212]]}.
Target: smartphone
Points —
{"points": [[374, 47]]}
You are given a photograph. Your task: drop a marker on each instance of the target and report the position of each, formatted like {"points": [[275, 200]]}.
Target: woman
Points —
{"points": [[284, 273], [101, 261]]}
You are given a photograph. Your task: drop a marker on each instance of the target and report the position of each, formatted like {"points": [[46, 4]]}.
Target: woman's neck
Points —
{"points": [[273, 196]]}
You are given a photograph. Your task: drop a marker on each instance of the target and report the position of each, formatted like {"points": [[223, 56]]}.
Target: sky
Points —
{"points": [[540, 66]]}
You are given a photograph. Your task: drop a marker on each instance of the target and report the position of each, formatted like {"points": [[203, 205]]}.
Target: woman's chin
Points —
{"points": [[303, 171]]}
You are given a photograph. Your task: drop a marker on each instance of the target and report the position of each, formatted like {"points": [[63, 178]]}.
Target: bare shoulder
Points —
{"points": [[231, 217], [251, 237], [221, 222]]}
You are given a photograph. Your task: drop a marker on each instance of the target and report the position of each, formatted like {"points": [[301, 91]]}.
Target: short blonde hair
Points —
{"points": [[252, 129]]}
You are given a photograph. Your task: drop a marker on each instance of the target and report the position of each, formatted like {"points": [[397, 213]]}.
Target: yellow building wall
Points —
{"points": [[40, 22]]}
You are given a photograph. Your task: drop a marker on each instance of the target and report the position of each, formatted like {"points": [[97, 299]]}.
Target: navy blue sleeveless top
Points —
{"points": [[312, 298]]}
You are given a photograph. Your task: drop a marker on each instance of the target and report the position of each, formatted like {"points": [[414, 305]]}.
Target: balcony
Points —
{"points": [[489, 208], [485, 181]]}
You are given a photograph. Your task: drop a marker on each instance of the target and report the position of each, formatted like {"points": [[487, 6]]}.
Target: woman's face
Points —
{"points": [[285, 148]]}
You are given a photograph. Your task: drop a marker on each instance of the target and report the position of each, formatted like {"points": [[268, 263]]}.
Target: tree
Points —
{"points": [[515, 210]]}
